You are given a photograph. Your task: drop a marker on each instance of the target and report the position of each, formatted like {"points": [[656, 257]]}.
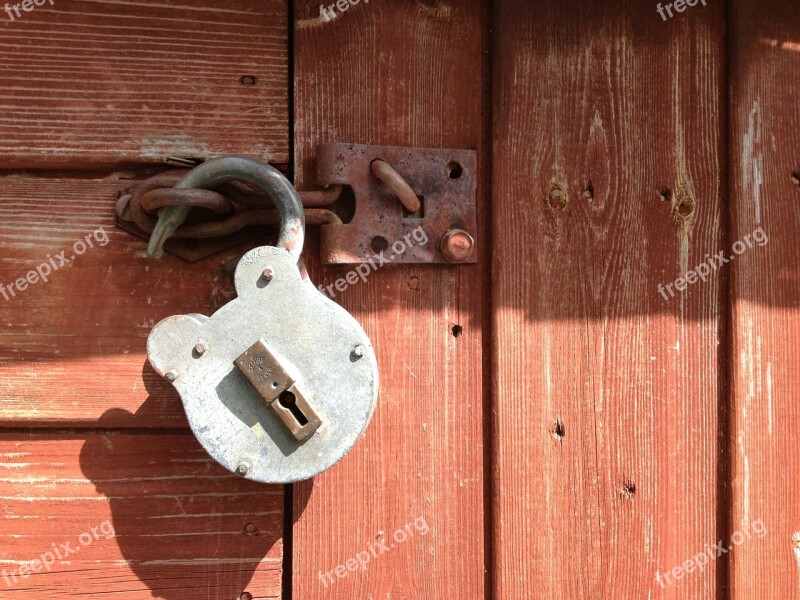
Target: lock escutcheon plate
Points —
{"points": [[272, 381]]}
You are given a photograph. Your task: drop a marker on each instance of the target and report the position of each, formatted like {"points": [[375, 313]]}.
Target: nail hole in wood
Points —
{"points": [[588, 193], [559, 431], [629, 490]]}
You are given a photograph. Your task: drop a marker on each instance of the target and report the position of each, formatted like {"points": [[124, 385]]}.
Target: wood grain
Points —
{"points": [[133, 516], [764, 153], [410, 74], [605, 396], [72, 349], [86, 83]]}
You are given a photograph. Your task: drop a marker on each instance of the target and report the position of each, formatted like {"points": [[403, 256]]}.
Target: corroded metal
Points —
{"points": [[396, 190], [395, 182], [244, 208], [275, 382], [445, 179]]}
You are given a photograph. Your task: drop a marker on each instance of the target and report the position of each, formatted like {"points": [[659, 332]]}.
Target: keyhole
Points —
{"points": [[287, 401]]}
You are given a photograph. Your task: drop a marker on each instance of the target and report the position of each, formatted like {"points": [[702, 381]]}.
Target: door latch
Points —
{"points": [[372, 196]]}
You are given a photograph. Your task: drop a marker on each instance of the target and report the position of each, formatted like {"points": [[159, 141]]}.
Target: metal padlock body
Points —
{"points": [[319, 342]]}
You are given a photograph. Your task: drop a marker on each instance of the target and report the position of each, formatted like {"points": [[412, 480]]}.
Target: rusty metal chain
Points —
{"points": [[151, 206], [240, 204], [243, 206]]}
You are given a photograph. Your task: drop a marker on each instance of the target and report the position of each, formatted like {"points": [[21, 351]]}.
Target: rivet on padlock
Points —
{"points": [[279, 383]]}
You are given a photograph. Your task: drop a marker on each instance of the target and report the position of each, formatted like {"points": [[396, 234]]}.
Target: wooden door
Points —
{"points": [[569, 418]]}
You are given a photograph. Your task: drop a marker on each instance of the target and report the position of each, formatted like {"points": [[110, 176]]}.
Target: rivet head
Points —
{"points": [[171, 376], [457, 245], [200, 348], [268, 274], [359, 351], [243, 469]]}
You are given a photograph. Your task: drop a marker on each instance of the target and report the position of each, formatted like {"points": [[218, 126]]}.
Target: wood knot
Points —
{"points": [[557, 199], [683, 207]]}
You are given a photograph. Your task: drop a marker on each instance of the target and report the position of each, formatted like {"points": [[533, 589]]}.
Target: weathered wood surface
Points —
{"points": [[74, 347], [764, 155], [409, 74], [86, 83], [132, 516], [605, 406]]}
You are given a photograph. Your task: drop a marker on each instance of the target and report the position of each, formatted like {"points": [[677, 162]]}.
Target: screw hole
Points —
{"points": [[456, 330], [245, 596], [248, 80], [379, 244], [666, 195], [274, 384], [796, 177], [454, 170], [559, 431], [629, 490]]}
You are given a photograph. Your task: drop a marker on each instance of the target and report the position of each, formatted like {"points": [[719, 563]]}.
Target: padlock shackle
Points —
{"points": [[221, 170]]}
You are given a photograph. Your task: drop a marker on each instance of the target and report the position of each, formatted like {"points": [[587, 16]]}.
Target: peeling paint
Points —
{"points": [[753, 160]]}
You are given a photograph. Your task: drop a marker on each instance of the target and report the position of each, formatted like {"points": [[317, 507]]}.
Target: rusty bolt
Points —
{"points": [[267, 274], [200, 348], [457, 245], [171, 376]]}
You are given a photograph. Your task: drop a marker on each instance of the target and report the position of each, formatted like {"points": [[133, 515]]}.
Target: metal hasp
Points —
{"points": [[279, 383], [443, 180]]}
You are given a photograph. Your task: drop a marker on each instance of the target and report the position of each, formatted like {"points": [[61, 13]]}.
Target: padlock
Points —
{"points": [[279, 383]]}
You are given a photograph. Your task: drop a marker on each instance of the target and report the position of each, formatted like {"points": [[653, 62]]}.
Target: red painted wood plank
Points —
{"points": [[72, 349], [606, 396], [764, 153], [409, 74], [86, 83], [136, 516]]}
